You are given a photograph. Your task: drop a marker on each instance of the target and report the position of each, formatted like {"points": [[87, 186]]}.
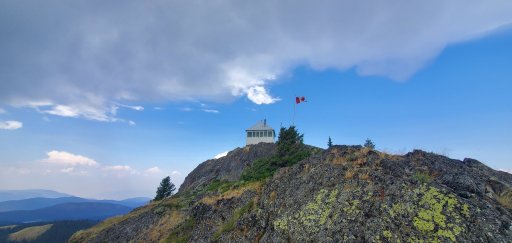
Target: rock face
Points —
{"points": [[344, 194], [227, 168]]}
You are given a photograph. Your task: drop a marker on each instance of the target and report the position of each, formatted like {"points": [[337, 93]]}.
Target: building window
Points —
{"points": [[269, 133], [249, 134]]}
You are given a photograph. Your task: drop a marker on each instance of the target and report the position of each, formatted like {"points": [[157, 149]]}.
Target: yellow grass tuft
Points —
{"points": [[273, 196], [350, 174], [365, 176], [338, 160], [235, 192], [30, 233], [165, 225]]}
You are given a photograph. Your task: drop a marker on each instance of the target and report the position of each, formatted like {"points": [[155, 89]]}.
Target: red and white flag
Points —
{"points": [[300, 99]]}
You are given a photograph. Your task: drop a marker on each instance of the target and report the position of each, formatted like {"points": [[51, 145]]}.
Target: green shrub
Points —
{"points": [[219, 186], [421, 177]]}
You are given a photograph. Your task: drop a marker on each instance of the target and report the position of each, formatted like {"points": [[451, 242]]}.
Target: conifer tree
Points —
{"points": [[290, 147], [329, 143], [369, 144], [165, 189]]}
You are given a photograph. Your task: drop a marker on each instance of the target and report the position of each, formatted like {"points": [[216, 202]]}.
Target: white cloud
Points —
{"points": [[211, 111], [132, 123], [118, 168], [186, 109], [221, 155], [175, 173], [121, 170], [259, 95], [178, 51], [10, 125], [2, 111], [62, 110], [136, 107], [153, 170], [67, 170], [85, 109], [68, 159], [506, 170]]}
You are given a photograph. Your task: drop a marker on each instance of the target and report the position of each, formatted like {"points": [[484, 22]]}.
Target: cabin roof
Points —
{"points": [[260, 126]]}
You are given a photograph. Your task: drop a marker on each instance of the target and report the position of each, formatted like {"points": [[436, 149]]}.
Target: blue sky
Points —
{"points": [[96, 111]]}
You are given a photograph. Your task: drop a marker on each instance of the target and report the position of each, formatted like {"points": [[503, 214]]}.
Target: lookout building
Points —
{"points": [[260, 133]]}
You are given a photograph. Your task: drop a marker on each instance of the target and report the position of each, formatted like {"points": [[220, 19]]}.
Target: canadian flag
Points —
{"points": [[300, 99]]}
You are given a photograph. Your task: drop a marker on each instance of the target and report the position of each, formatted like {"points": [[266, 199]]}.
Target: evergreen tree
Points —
{"points": [[329, 143], [165, 189], [290, 150], [369, 144], [290, 147]]}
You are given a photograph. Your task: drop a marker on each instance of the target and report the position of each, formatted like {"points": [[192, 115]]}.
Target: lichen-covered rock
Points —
{"points": [[344, 194]]}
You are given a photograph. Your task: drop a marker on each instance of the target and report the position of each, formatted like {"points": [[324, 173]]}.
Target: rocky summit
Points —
{"points": [[342, 194]]}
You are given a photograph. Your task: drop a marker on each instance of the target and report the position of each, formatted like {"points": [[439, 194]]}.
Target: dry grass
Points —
{"points": [[235, 192], [360, 161], [348, 187], [30, 233], [165, 225], [357, 157], [273, 196], [306, 169], [350, 174], [365, 176], [505, 199], [338, 160]]}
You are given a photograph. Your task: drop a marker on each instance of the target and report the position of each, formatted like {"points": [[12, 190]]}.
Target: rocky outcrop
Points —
{"points": [[344, 194], [227, 168]]}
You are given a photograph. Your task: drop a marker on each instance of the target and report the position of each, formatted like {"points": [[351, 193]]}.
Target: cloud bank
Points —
{"points": [[81, 58], [83, 176]]}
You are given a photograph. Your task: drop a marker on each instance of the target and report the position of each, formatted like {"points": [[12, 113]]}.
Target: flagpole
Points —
{"points": [[294, 105]]}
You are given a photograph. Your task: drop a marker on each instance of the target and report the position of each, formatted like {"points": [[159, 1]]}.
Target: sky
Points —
{"points": [[102, 99]]}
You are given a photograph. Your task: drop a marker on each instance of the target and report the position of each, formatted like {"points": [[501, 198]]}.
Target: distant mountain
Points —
{"points": [[7, 195], [135, 202], [59, 232], [36, 203], [39, 202], [66, 211]]}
